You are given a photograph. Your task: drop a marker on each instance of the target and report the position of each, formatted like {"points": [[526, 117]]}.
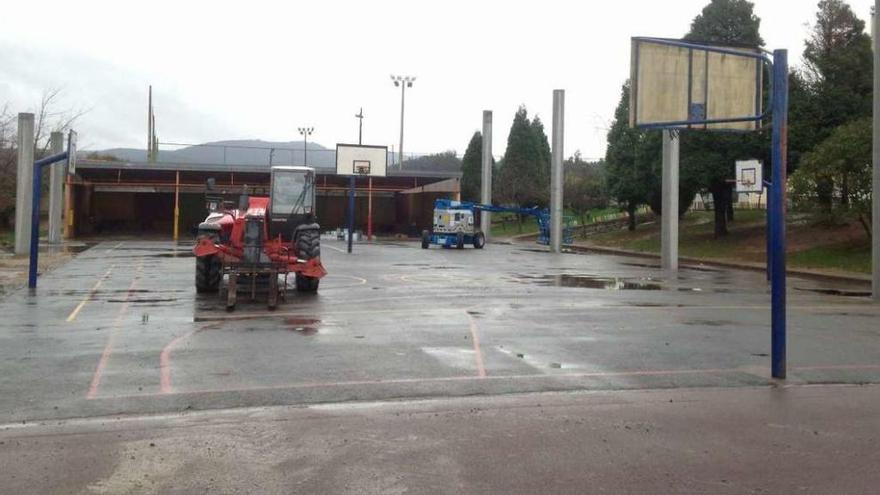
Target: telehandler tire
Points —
{"points": [[308, 246]]}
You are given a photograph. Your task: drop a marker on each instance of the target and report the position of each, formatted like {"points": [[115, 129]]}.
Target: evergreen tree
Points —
{"points": [[839, 66], [712, 155], [472, 168], [626, 173], [524, 176], [838, 81]]}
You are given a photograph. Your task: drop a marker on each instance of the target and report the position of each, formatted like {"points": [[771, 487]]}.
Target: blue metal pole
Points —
{"points": [[768, 230], [350, 211], [35, 226], [777, 212], [35, 215]]}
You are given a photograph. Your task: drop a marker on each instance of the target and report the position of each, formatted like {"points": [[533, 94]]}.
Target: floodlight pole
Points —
{"points": [[404, 82], [305, 132], [669, 217], [777, 213], [875, 190]]}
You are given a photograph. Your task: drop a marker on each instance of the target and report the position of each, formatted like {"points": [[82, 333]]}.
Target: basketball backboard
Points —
{"points": [[749, 176], [361, 160], [676, 84]]}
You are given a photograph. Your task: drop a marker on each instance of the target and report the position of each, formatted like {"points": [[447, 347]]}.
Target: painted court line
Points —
{"points": [[73, 314], [165, 357], [108, 348], [475, 338]]}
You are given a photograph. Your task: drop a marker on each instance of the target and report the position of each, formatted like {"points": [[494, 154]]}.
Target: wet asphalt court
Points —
{"points": [[120, 330]]}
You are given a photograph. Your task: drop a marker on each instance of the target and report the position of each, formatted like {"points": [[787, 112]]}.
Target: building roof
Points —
{"points": [[222, 167]]}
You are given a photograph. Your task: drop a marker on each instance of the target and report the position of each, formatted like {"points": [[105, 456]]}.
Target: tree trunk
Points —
{"points": [[824, 194], [844, 193], [866, 224], [729, 199], [720, 207], [631, 210]]}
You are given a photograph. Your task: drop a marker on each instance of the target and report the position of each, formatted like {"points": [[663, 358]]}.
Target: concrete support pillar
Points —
{"points": [[669, 225], [24, 183], [486, 180], [875, 208], [557, 172], [57, 174]]}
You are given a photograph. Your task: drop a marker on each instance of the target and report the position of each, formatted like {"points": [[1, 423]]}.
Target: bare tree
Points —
{"points": [[48, 118]]}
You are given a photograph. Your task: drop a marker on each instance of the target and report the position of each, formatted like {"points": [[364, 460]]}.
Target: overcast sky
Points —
{"points": [[259, 70]]}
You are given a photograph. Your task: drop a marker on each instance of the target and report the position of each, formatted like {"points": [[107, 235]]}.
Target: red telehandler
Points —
{"points": [[263, 239]]}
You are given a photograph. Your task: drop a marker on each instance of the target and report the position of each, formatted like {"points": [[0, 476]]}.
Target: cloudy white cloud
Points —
{"points": [[225, 70]]}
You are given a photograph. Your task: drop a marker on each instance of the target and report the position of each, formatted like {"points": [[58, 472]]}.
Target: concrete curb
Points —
{"points": [[755, 267]]}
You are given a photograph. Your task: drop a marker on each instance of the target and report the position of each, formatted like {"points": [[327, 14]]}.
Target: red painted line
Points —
{"points": [[478, 353], [108, 348], [165, 358]]}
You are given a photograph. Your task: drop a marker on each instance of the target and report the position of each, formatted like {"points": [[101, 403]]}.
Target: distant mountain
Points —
{"points": [[236, 152], [256, 152]]}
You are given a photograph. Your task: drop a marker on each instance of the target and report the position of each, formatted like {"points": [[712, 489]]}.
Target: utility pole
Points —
{"points": [[305, 132], [404, 82], [875, 191], [150, 124]]}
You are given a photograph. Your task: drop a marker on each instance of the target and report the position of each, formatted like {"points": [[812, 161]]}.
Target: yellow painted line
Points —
{"points": [[475, 340], [73, 314]]}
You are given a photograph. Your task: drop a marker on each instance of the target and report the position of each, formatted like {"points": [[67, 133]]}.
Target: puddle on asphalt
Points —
{"points": [[143, 300], [837, 292], [709, 323], [66, 248], [176, 254], [302, 326], [591, 282]]}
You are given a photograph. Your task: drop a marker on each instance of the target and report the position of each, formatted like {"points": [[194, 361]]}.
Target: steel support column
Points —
{"points": [[777, 209]]}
